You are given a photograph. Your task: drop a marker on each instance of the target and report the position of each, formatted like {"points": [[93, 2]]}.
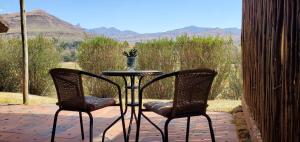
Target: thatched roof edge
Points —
{"points": [[3, 26]]}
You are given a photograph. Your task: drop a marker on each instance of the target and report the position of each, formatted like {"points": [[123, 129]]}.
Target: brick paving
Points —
{"points": [[19, 123]]}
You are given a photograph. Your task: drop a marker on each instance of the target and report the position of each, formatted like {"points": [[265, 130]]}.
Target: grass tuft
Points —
{"points": [[16, 98]]}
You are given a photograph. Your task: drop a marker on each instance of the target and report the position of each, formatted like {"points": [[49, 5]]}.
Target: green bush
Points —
{"points": [[69, 55], [10, 64], [42, 57], [158, 55], [233, 89], [96, 55], [206, 52], [101, 53], [68, 50], [189, 53]]}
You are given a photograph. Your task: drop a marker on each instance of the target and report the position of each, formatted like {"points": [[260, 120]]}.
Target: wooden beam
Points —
{"points": [[25, 52]]}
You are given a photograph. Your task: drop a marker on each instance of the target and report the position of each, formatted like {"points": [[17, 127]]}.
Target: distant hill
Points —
{"points": [[133, 37], [111, 32], [40, 22]]}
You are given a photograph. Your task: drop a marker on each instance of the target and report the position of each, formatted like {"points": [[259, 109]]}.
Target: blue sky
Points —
{"points": [[143, 16]]}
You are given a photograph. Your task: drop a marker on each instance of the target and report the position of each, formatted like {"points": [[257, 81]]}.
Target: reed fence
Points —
{"points": [[271, 71]]}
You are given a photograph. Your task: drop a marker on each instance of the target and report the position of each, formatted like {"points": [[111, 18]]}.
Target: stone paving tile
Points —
{"points": [[4, 135], [33, 123]]}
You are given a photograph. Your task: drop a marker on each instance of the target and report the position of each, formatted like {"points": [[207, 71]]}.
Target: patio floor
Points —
{"points": [[20, 123]]}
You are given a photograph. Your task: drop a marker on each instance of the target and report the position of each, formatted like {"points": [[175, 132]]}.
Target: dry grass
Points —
{"points": [[241, 125], [16, 98], [223, 105], [219, 105], [70, 65]]}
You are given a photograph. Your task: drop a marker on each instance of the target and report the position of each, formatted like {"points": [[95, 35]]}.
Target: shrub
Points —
{"points": [[101, 53], [233, 89], [69, 55], [96, 55], [10, 64], [68, 50], [158, 55], [43, 56], [206, 52]]}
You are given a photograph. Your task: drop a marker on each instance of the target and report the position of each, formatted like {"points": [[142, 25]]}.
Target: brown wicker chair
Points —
{"points": [[68, 84], [192, 88]]}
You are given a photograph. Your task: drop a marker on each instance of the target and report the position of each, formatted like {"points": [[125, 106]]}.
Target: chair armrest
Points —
{"points": [[107, 80], [160, 77], [101, 78]]}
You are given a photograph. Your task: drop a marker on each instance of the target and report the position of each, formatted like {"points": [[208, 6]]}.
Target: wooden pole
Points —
{"points": [[25, 52]]}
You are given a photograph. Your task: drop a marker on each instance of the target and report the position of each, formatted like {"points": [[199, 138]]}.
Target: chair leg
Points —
{"points": [[81, 126], [210, 128], [187, 129], [166, 130], [91, 126], [54, 125]]}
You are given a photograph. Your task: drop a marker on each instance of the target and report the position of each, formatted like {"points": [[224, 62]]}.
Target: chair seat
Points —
{"points": [[161, 108], [165, 108], [94, 103]]}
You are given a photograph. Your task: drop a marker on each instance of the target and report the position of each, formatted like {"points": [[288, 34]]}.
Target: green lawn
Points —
{"points": [[16, 98], [70, 65], [223, 105]]}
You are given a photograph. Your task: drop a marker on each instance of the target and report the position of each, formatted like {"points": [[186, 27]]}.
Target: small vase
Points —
{"points": [[131, 63]]}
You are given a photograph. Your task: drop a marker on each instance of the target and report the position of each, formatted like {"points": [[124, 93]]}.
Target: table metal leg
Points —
{"points": [[133, 114], [161, 132], [129, 127], [135, 117], [138, 122], [132, 105], [132, 89], [123, 113], [126, 95]]}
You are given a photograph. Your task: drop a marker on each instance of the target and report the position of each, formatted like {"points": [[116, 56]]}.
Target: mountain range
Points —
{"points": [[133, 37], [41, 22]]}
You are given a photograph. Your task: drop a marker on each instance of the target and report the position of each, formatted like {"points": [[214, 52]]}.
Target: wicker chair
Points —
{"points": [[191, 92], [68, 84]]}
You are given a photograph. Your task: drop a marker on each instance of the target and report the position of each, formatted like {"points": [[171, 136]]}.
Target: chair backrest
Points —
{"points": [[192, 88], [68, 84]]}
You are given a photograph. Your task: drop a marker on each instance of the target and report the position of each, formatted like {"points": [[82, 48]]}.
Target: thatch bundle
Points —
{"points": [[3, 26]]}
